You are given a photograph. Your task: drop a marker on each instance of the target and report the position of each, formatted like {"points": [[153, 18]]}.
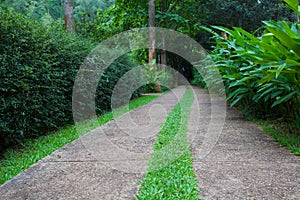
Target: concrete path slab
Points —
{"points": [[245, 163], [106, 163]]}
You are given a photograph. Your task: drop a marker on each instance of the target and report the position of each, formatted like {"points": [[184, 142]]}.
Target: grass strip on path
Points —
{"points": [[16, 160], [170, 173]]}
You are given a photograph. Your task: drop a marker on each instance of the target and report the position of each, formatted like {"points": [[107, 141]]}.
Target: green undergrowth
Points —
{"points": [[280, 134], [170, 174], [17, 159]]}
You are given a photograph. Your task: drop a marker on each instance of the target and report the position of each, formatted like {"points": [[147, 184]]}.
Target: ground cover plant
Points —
{"points": [[170, 173]]}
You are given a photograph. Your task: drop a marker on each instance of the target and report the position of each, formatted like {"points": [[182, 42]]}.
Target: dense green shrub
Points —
{"points": [[38, 65], [110, 78]]}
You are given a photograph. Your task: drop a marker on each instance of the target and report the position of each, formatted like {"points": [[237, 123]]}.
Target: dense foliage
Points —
{"points": [[38, 65], [39, 60], [50, 9], [261, 74], [181, 15], [99, 20], [247, 14]]}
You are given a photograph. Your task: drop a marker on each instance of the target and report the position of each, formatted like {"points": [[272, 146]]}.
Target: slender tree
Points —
{"points": [[163, 52], [69, 16], [152, 34]]}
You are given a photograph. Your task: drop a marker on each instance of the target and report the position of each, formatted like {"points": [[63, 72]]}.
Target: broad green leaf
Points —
{"points": [[258, 96], [237, 36], [283, 37], [279, 69], [233, 76], [249, 35], [237, 92], [242, 81], [292, 62], [210, 31], [264, 87], [290, 31], [284, 98], [266, 79], [247, 68], [236, 100], [226, 30], [275, 94], [267, 38], [293, 4]]}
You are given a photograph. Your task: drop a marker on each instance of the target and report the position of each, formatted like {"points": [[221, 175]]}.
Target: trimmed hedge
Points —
{"points": [[38, 65]]}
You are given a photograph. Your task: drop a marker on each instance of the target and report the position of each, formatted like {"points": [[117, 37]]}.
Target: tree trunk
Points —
{"points": [[152, 34], [164, 52], [69, 16]]}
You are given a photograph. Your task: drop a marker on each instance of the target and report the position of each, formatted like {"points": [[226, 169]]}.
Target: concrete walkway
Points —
{"points": [[245, 163], [238, 161]]}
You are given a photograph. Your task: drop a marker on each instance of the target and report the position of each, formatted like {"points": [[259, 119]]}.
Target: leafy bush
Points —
{"points": [[38, 65], [110, 78], [261, 74], [198, 79]]}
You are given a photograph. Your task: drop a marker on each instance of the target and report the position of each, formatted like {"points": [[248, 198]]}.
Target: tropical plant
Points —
{"points": [[261, 73]]}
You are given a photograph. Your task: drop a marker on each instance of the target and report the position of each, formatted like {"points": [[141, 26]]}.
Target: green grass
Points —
{"points": [[170, 174], [16, 160], [280, 134]]}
